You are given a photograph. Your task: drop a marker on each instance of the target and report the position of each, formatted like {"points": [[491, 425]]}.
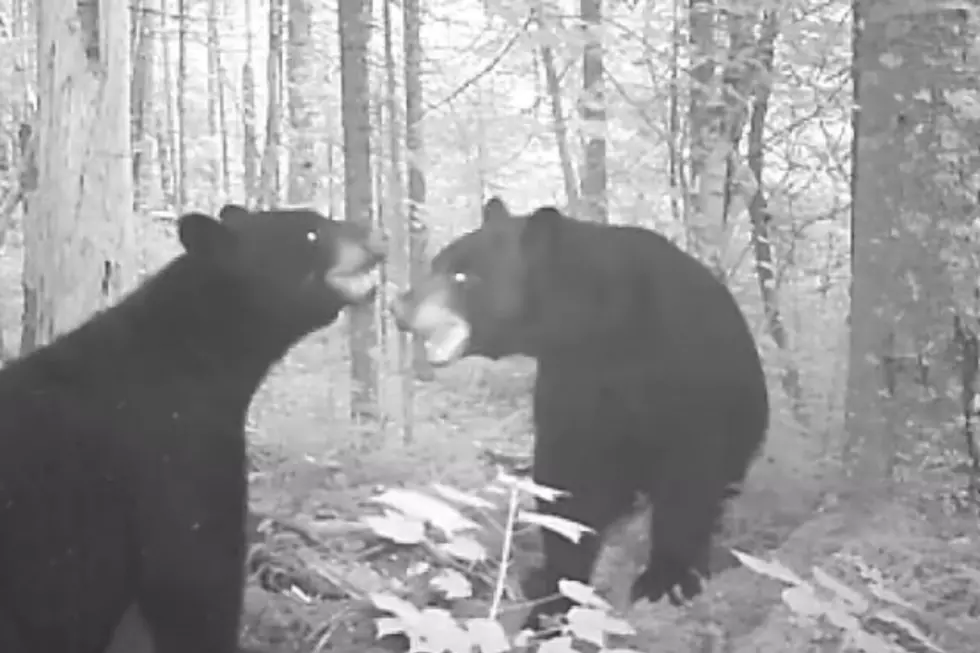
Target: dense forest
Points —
{"points": [[820, 157]]}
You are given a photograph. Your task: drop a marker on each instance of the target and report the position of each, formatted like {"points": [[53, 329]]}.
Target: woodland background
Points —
{"points": [[827, 173]]}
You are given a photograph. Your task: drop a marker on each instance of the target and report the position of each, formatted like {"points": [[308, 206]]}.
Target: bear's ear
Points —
{"points": [[541, 233], [201, 234], [547, 215], [232, 212], [495, 211]]}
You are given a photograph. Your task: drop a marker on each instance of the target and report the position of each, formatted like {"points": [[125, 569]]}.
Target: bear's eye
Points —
{"points": [[459, 277], [312, 236]]}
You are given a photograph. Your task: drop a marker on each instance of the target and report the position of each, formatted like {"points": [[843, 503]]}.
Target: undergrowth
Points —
{"points": [[358, 540]]}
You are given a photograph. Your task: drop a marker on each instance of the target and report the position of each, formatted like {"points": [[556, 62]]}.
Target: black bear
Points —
{"points": [[648, 379], [122, 445]]}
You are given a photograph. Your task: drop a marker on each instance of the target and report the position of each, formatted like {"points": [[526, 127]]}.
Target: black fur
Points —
{"points": [[122, 446], [648, 379]]}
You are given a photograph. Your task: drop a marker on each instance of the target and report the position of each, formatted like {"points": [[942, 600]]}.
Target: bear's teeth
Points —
{"points": [[446, 345], [364, 283], [358, 286]]}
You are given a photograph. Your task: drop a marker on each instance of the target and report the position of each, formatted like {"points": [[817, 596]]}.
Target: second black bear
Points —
{"points": [[122, 449], [648, 379]]}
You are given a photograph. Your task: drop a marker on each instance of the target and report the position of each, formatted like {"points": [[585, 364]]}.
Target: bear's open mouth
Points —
{"points": [[356, 286], [447, 343]]}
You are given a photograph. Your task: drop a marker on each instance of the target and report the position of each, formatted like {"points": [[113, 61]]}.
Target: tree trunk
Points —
{"points": [[141, 91], [181, 106], [250, 148], [79, 237], [214, 106], [760, 216], [302, 156], [22, 24], [273, 124], [417, 229], [558, 123], [167, 128], [702, 232], [593, 108], [379, 161], [901, 297], [354, 25], [675, 169], [222, 117], [398, 228]]}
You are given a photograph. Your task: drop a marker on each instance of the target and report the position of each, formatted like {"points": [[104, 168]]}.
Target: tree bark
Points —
{"points": [[901, 296], [166, 127], [215, 168], [765, 264], [250, 148], [302, 156], [417, 229], [354, 25], [398, 227], [273, 122], [593, 108], [181, 106], [559, 125], [141, 91], [704, 179], [79, 235]]}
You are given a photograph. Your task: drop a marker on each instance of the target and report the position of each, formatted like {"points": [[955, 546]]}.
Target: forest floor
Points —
{"points": [[314, 475], [312, 469]]}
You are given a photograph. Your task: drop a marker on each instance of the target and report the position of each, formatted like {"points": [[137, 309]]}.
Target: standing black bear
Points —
{"points": [[122, 449], [648, 379]]}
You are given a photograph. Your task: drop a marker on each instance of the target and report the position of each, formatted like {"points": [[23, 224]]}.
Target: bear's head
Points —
{"points": [[526, 284], [294, 263]]}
